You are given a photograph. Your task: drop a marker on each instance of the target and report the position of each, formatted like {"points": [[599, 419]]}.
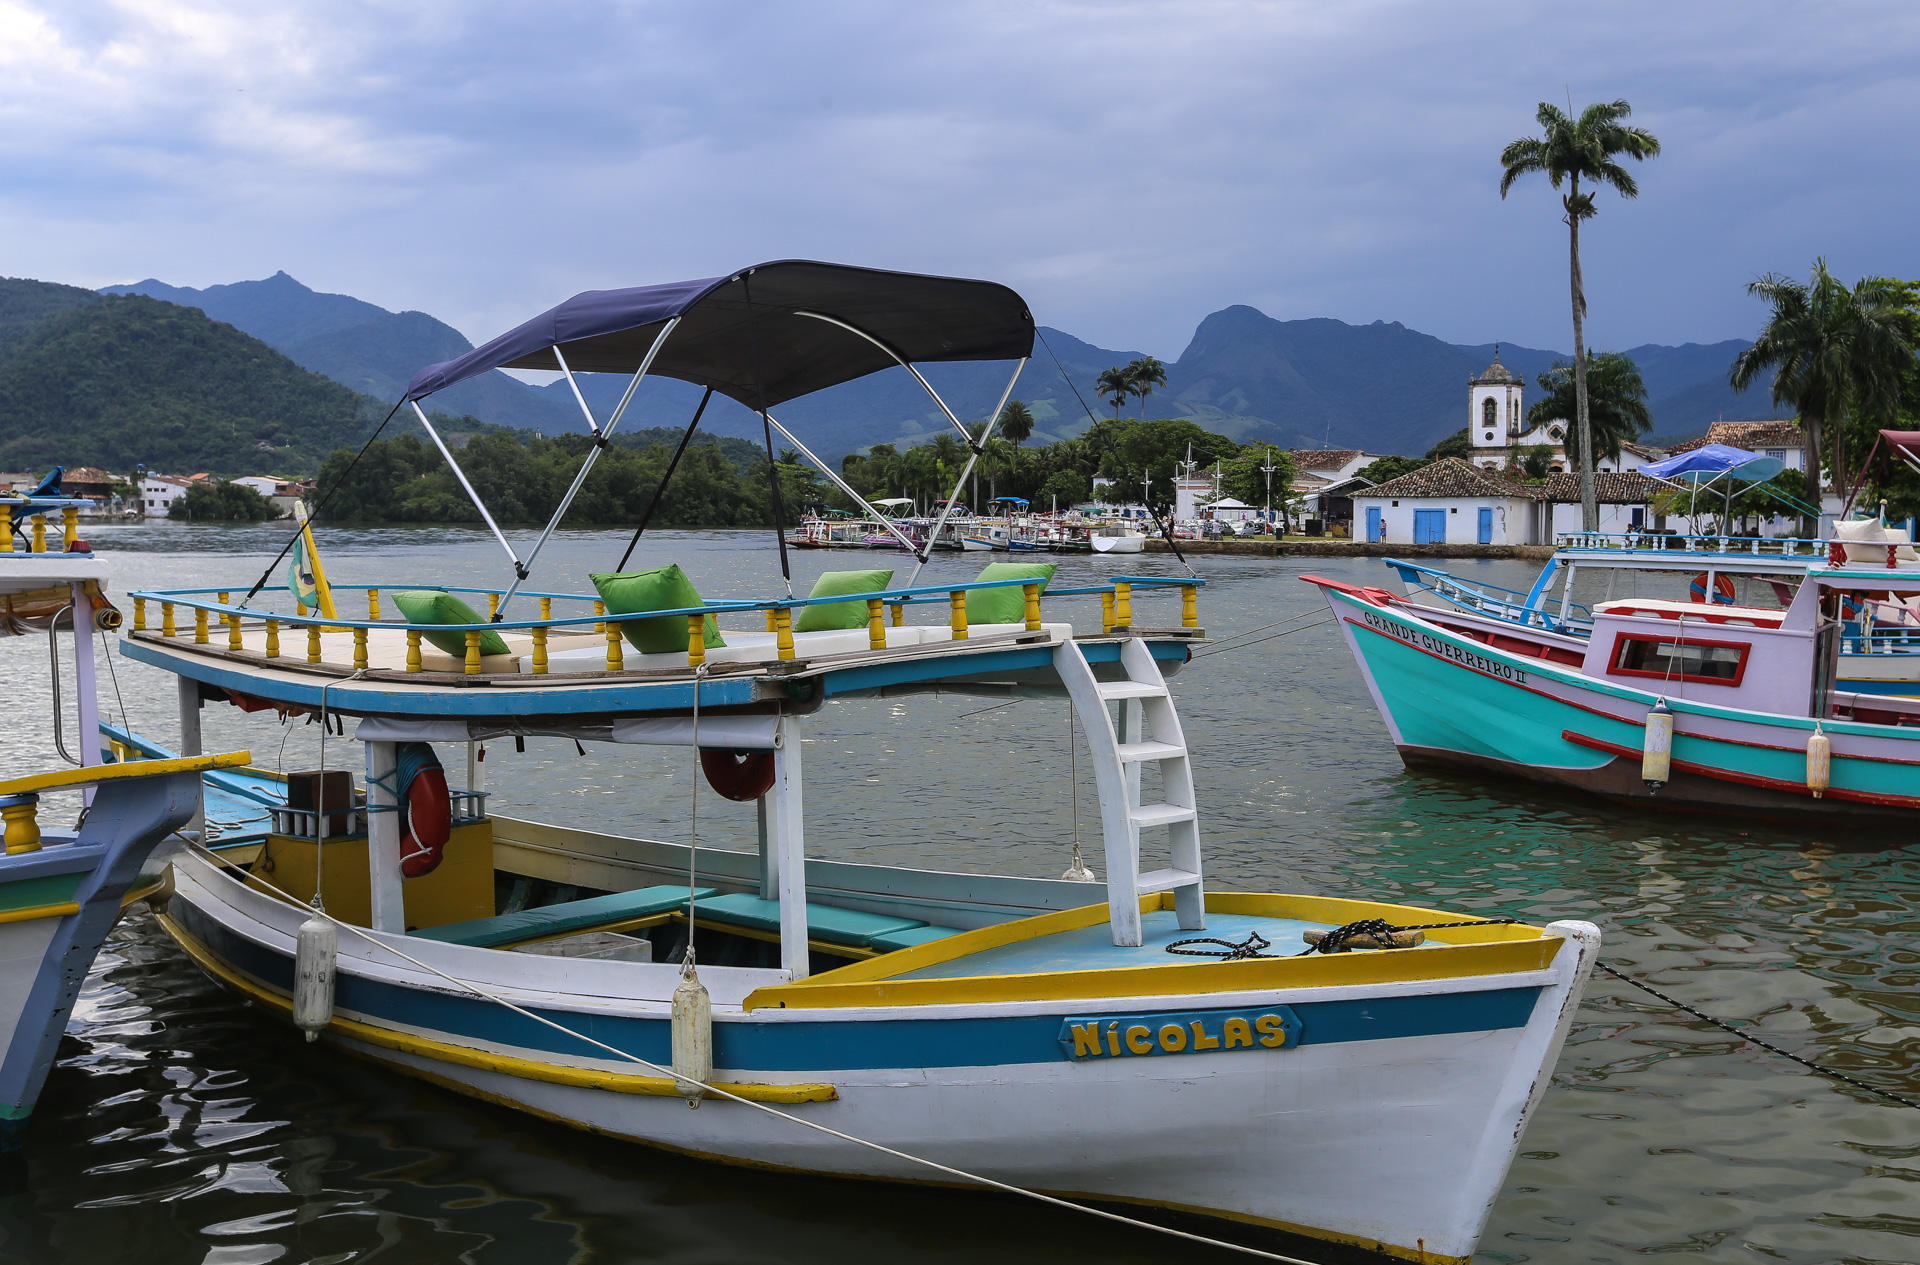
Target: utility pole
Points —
{"points": [[1268, 470]]}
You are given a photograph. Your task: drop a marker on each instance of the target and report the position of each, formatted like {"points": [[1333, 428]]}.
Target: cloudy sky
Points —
{"points": [[1129, 167]]}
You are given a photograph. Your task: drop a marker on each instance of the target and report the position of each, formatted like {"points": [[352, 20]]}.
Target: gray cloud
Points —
{"points": [[1129, 166]]}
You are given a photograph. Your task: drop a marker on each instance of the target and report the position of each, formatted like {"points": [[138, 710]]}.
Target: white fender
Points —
{"points": [[692, 1036], [315, 950], [1656, 751], [1819, 761]]}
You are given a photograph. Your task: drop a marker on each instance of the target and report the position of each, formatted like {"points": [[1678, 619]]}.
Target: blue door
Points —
{"points": [[1375, 532], [1486, 524], [1429, 527]]}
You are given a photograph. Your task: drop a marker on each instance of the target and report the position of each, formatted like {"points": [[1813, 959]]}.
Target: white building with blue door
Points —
{"points": [[1451, 502]]}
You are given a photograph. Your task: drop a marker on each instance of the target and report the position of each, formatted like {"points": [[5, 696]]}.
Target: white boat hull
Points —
{"points": [[1273, 1138], [1119, 544]]}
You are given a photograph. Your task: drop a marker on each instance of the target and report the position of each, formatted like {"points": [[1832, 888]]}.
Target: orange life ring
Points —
{"points": [[1722, 589], [738, 775], [426, 821]]}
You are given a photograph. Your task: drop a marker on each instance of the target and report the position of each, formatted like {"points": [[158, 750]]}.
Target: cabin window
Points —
{"points": [[1710, 662]]}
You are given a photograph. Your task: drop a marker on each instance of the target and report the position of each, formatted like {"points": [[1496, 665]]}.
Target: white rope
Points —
{"points": [[693, 826], [1009, 1188]]}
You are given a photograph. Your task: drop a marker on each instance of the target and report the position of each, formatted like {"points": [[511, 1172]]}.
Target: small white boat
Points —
{"points": [[1118, 540]]}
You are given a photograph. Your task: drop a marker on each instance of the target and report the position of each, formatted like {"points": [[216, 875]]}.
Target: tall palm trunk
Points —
{"points": [[1589, 503], [1811, 424]]}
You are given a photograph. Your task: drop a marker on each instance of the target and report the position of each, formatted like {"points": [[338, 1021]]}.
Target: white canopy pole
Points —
{"points": [[985, 435], [578, 398], [472, 495], [842, 484], [600, 438], [905, 364]]}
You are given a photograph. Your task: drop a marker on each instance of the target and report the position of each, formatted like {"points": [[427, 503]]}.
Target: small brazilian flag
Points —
{"points": [[306, 578]]}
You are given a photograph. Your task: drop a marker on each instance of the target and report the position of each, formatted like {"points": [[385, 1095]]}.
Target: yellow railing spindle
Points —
{"points": [[413, 651], [616, 653], [783, 628], [199, 625], [313, 643], [139, 603], [1106, 612], [876, 624], [696, 640], [360, 648], [273, 639], [599, 609], [6, 529], [540, 650], [1189, 606], [167, 628], [899, 614], [22, 830], [493, 605], [957, 599], [233, 627], [1122, 604], [546, 608], [773, 620], [39, 533], [373, 606], [473, 653], [69, 528], [1033, 605]]}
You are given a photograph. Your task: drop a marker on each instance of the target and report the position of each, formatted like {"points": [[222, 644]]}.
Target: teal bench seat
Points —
{"points": [[566, 917], [851, 927], [893, 940]]}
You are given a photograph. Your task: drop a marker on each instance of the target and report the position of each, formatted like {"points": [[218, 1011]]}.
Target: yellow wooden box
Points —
{"points": [[460, 887]]}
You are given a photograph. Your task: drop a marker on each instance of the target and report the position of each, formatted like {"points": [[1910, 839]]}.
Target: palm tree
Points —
{"points": [[1833, 349], [1115, 384], [1570, 150], [1016, 423], [1616, 399], [1143, 375]]}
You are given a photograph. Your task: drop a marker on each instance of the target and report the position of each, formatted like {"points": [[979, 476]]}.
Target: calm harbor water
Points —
{"points": [[181, 1126]]}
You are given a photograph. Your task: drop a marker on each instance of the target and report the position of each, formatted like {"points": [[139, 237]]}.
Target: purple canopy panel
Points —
{"points": [[745, 335]]}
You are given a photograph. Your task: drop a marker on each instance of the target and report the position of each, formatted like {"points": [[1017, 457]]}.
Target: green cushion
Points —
{"points": [[564, 918], [824, 922], [833, 616], [661, 589], [432, 606], [1008, 605]]}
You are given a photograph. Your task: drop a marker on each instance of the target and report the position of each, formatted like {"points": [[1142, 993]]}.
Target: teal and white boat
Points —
{"points": [[1711, 706], [63, 889], [1147, 1042]]}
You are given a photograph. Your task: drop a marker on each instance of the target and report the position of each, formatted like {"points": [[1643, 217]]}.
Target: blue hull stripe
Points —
{"points": [[828, 1047]]}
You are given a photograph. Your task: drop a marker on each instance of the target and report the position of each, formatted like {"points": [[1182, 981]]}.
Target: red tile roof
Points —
{"points": [[1452, 477]]}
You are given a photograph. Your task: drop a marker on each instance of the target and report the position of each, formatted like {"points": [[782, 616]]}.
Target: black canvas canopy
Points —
{"points": [[746, 335]]}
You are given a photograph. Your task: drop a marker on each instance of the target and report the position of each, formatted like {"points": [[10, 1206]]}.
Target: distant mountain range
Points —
{"points": [[1303, 383]]}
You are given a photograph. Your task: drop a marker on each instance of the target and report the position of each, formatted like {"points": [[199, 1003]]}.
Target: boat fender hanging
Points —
{"points": [[426, 809], [1819, 761], [692, 1034], [314, 954], [738, 775], [1656, 750], [1723, 594]]}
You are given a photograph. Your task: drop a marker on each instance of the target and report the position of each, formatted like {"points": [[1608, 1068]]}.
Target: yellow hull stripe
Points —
{"points": [[484, 1060], [40, 911], [1469, 951]]}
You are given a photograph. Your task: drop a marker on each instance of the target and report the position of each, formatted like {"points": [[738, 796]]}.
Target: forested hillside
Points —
{"points": [[117, 381]]}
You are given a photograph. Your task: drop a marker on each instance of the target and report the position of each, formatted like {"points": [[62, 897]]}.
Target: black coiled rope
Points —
{"points": [[1378, 930]]}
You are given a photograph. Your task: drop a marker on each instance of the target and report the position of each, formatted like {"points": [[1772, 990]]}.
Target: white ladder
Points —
{"points": [[1117, 756]]}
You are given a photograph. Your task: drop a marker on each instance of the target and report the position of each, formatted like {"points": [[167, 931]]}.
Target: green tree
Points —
{"points": [[1454, 445], [1616, 400], [221, 503], [1379, 471], [1115, 386], [1571, 150], [1832, 350], [1143, 375], [1536, 462]]}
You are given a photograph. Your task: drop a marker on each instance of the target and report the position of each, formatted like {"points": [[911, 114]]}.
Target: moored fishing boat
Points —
{"points": [[62, 890], [1710, 706], [1146, 1041]]}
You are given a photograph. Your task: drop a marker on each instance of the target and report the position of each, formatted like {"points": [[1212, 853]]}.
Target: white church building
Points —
{"points": [[1498, 429]]}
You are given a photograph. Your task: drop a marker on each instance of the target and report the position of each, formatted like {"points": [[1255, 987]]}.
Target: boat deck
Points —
{"points": [[1092, 948]]}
